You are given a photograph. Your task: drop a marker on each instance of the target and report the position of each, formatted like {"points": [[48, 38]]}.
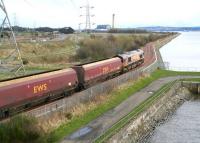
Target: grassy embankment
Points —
{"points": [[77, 121], [116, 97]]}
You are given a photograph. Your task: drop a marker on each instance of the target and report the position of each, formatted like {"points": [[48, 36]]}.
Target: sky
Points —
{"points": [[128, 13]]}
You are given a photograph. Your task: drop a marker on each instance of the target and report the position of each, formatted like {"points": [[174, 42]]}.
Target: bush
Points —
{"points": [[96, 49], [93, 49], [20, 129], [25, 61], [68, 115]]}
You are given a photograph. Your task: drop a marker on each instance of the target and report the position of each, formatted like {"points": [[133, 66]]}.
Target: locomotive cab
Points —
{"points": [[132, 59]]}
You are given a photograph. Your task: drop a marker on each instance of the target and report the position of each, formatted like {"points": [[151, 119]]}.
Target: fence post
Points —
{"points": [[91, 93], [45, 109], [63, 105]]}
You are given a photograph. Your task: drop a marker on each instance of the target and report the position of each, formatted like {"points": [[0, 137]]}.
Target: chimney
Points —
{"points": [[113, 21]]}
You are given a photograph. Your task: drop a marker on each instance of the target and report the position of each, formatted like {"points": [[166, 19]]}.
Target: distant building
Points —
{"points": [[102, 28]]}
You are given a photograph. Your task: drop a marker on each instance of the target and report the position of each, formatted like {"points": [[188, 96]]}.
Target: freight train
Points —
{"points": [[17, 95]]}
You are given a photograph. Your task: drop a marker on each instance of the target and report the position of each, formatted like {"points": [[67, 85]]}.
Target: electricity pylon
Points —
{"points": [[87, 16], [13, 61]]}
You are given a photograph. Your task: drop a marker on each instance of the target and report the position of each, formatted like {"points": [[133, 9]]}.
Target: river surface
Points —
{"points": [[183, 53], [182, 127]]}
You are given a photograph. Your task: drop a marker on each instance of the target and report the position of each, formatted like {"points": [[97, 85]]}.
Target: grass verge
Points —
{"points": [[117, 97]]}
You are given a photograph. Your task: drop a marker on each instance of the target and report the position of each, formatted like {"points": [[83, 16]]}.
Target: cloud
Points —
{"points": [[128, 12]]}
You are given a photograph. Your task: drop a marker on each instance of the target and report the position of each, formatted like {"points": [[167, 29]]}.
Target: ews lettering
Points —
{"points": [[105, 70], [39, 88]]}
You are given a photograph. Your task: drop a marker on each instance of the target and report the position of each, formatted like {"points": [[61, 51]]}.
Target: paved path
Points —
{"points": [[96, 127]]}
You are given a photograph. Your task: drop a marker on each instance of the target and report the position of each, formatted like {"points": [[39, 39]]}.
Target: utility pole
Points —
{"points": [[13, 61], [87, 16]]}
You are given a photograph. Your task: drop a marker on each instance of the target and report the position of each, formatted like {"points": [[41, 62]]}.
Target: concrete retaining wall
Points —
{"points": [[194, 87], [138, 129]]}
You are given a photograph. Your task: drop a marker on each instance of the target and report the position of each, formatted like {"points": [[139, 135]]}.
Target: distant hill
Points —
{"points": [[65, 30], [160, 28]]}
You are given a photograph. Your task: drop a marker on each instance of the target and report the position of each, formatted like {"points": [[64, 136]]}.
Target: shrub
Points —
{"points": [[96, 49], [68, 115], [93, 49], [25, 61], [20, 129]]}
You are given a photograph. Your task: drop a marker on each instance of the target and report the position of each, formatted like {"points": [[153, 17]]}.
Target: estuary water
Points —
{"points": [[183, 53], [182, 127]]}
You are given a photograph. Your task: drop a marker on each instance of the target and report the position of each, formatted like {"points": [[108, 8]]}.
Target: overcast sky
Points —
{"points": [[129, 13]]}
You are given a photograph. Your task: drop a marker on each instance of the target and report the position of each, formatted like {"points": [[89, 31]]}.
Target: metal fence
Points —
{"points": [[181, 68], [192, 69]]}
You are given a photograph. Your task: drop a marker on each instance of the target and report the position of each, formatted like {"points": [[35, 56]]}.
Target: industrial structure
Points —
{"points": [[113, 21], [13, 61], [102, 28], [88, 16]]}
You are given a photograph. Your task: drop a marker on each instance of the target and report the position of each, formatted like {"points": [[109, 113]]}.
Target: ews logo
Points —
{"points": [[105, 70], [39, 88]]}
